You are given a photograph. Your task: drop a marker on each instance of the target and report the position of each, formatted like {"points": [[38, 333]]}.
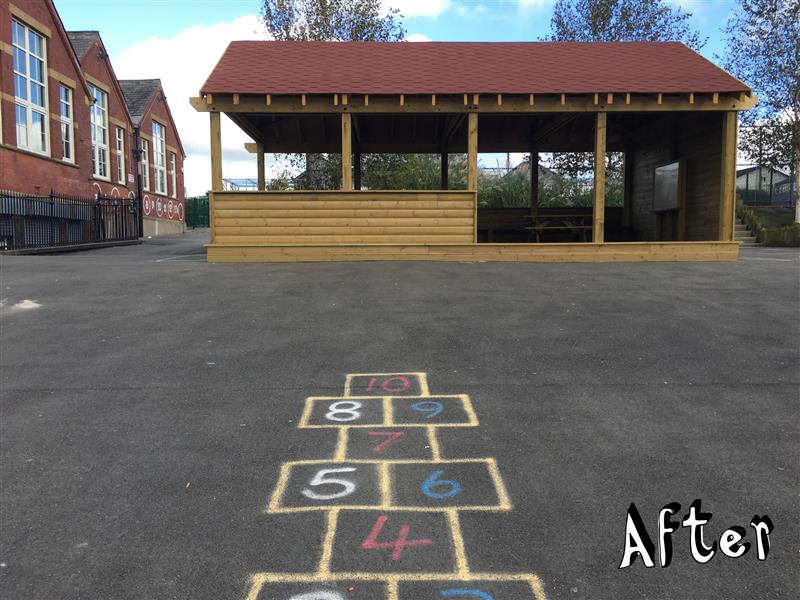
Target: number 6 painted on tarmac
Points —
{"points": [[432, 481], [319, 479], [464, 592]]}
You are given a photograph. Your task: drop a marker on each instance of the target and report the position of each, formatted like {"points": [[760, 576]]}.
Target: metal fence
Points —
{"points": [[28, 221], [765, 186], [197, 212]]}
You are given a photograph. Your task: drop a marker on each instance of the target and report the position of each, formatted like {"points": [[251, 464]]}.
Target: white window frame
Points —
{"points": [[25, 103], [145, 165], [160, 157], [119, 150], [67, 123], [173, 173], [99, 131]]}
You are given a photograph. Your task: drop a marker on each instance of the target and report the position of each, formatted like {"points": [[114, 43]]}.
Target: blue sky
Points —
{"points": [[179, 41]]}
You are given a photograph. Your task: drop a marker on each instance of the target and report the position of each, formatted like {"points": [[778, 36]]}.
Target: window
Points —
{"points": [[67, 126], [173, 163], [120, 152], [30, 88], [98, 119], [145, 165], [160, 157]]}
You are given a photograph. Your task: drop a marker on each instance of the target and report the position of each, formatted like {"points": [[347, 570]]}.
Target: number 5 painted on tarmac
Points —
{"points": [[465, 592]]}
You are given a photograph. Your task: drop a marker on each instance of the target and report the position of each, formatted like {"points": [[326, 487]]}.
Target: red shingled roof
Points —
{"points": [[250, 67]]}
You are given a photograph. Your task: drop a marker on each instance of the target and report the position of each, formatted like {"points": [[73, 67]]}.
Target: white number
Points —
{"points": [[319, 595], [346, 407], [319, 479]]}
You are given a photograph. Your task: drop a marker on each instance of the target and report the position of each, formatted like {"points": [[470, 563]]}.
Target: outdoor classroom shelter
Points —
{"points": [[669, 110]]}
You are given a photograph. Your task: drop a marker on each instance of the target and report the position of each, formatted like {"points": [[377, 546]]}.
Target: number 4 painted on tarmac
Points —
{"points": [[397, 546], [392, 435]]}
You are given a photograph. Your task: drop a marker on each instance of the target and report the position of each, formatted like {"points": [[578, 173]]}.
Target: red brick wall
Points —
{"points": [[26, 172], [158, 206], [98, 70]]}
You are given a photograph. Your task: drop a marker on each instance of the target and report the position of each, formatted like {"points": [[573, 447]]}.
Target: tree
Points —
{"points": [[329, 20], [332, 20], [763, 49], [622, 21], [615, 21]]}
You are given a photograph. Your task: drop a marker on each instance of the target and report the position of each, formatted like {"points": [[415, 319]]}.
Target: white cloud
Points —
{"points": [[418, 8], [418, 37], [183, 63]]}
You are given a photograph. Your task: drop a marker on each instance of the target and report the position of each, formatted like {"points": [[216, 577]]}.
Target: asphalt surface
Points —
{"points": [[149, 400]]}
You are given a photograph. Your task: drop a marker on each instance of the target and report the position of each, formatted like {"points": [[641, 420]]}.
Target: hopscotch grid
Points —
{"points": [[451, 512]]}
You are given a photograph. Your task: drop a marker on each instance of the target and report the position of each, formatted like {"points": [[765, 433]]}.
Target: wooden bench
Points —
{"points": [[574, 223]]}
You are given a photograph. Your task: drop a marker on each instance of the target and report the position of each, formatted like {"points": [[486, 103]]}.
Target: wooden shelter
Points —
{"points": [[669, 110]]}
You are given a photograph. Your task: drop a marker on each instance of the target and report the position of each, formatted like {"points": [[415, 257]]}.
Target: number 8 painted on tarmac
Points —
{"points": [[347, 407]]}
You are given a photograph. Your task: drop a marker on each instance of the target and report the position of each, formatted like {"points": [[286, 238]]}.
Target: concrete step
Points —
{"points": [[740, 227]]}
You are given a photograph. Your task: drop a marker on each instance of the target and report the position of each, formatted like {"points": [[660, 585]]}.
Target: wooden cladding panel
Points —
{"points": [[347, 217], [609, 252]]}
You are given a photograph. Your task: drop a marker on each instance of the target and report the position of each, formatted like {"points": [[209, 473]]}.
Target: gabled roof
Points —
{"points": [[62, 32], [82, 41], [138, 95], [276, 67]]}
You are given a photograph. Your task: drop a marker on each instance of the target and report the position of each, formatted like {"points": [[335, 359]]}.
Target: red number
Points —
{"points": [[396, 546], [371, 385], [392, 436], [404, 384]]}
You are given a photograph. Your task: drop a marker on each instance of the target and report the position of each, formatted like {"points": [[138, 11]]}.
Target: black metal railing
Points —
{"points": [[29, 221]]}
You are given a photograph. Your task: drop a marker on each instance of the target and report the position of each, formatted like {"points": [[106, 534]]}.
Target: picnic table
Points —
{"points": [[577, 224]]}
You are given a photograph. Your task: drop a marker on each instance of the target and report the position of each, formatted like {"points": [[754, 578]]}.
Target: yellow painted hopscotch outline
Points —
{"points": [[388, 412], [451, 513], [422, 379], [392, 580], [275, 505]]}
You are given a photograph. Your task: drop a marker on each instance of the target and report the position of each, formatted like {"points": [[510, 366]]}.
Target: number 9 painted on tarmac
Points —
{"points": [[453, 488], [430, 407], [470, 593], [348, 408]]}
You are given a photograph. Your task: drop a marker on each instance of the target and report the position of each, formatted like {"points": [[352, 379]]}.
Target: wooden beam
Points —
{"points": [[534, 160], [344, 99], [236, 99], [269, 99], [433, 99], [476, 99], [660, 99], [216, 153], [445, 183], [727, 201], [596, 99], [554, 103], [336, 99], [691, 97], [627, 98], [303, 100], [599, 204], [499, 99], [532, 100], [357, 170], [347, 152], [472, 152], [466, 99], [366, 99], [402, 99], [209, 99], [262, 179], [715, 98], [610, 99]]}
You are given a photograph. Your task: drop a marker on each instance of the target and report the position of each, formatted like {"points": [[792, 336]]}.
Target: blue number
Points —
{"points": [[465, 592], [430, 407], [453, 487]]}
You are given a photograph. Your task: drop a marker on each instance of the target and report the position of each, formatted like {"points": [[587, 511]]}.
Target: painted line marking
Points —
{"points": [[340, 453], [386, 484], [327, 542], [462, 567], [433, 441], [388, 414]]}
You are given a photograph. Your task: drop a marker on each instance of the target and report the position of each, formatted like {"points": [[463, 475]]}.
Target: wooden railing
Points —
{"points": [[343, 217]]}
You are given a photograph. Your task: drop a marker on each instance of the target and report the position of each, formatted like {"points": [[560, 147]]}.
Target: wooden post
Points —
{"points": [[216, 153], [262, 179], [727, 200], [347, 152], [472, 152], [357, 170], [445, 171], [534, 183], [598, 214]]}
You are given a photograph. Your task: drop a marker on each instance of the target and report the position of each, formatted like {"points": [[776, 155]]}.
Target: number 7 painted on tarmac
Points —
{"points": [[392, 435]]}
